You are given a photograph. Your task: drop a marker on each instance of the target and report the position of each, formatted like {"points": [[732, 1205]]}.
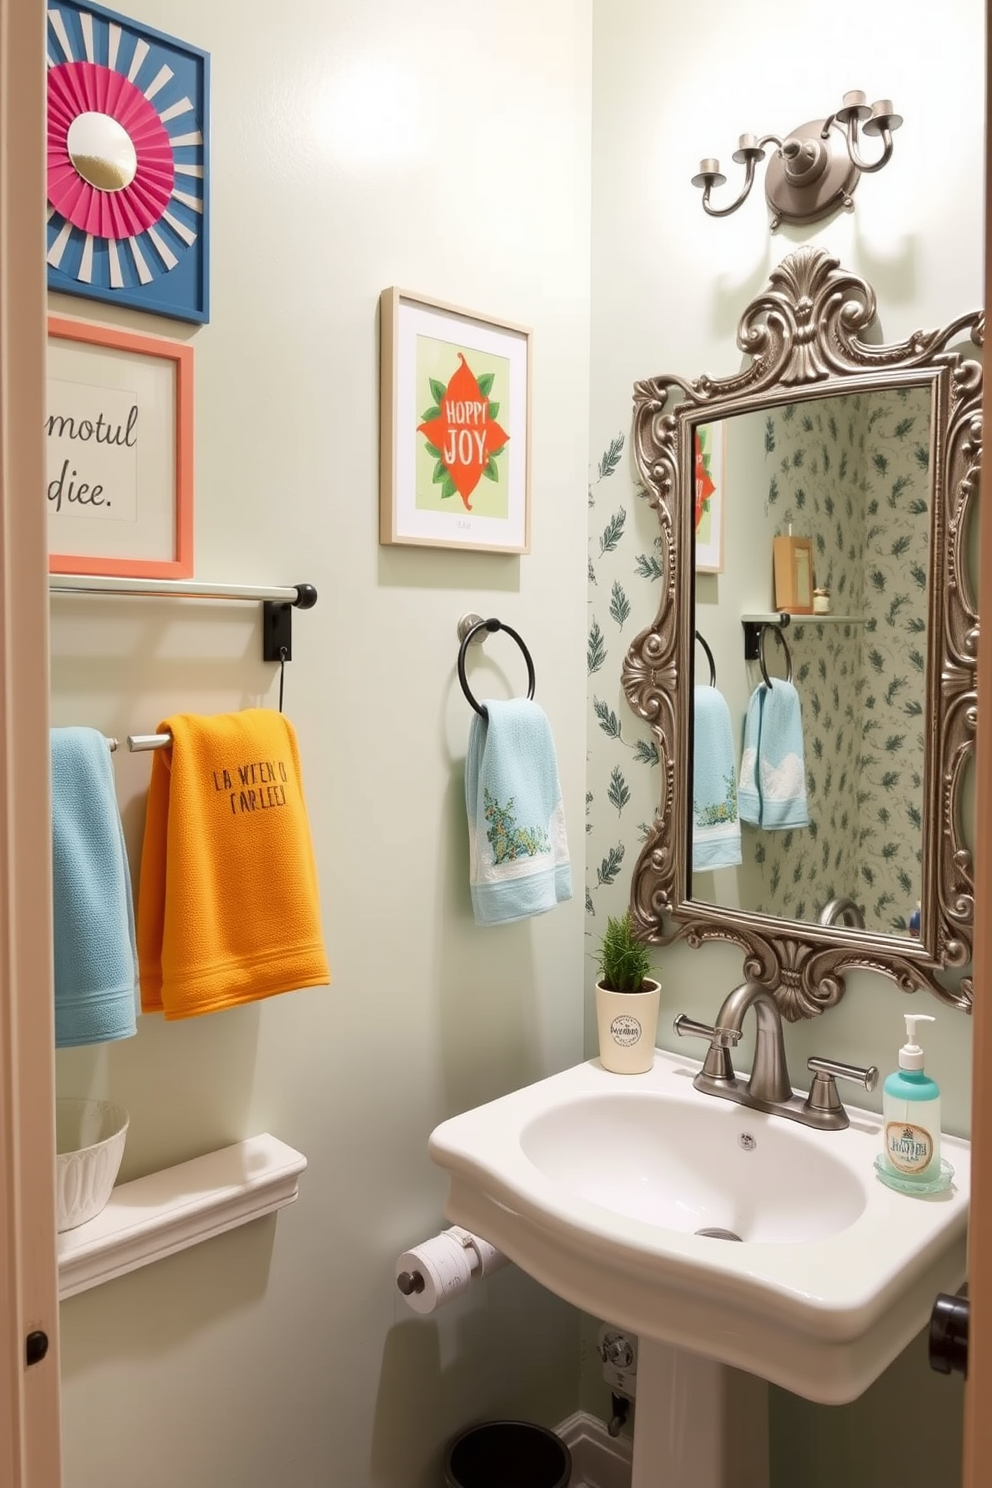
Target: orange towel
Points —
{"points": [[228, 908]]}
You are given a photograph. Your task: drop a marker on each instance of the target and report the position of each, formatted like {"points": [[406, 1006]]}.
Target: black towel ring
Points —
{"points": [[780, 637], [709, 657], [491, 625]]}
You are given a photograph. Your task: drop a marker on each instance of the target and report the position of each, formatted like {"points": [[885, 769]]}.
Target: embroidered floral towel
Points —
{"points": [[518, 855], [716, 827]]}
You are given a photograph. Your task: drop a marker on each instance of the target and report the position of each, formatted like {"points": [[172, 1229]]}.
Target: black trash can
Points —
{"points": [[507, 1454]]}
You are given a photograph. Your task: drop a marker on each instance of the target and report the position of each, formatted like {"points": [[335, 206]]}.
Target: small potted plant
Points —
{"points": [[627, 1000]]}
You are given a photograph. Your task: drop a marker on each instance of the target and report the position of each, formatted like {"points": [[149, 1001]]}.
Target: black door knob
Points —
{"points": [[948, 1338]]}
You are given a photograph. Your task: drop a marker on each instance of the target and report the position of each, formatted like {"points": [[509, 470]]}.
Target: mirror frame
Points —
{"points": [[803, 340]]}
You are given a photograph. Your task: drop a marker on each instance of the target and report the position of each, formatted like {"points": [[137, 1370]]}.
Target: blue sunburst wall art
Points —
{"points": [[127, 163]]}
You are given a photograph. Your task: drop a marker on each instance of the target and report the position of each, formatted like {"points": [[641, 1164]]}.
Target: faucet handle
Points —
{"points": [[833, 1069], [717, 1065], [823, 1105], [720, 1038]]}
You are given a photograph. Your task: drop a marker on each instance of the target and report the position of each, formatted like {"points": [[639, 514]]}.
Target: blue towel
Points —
{"points": [[518, 855], [93, 918], [772, 787], [748, 791], [782, 767], [716, 828]]}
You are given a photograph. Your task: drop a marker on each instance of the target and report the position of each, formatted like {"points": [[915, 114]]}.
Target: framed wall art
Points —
{"points": [[127, 163], [119, 441], [709, 484], [454, 427]]}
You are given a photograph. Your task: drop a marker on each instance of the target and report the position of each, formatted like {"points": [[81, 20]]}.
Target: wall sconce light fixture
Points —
{"points": [[814, 169]]}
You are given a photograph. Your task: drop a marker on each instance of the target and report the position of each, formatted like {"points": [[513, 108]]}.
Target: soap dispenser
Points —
{"points": [[911, 1115]]}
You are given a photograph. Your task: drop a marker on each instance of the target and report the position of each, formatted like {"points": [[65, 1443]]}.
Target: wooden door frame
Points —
{"points": [[30, 1445]]}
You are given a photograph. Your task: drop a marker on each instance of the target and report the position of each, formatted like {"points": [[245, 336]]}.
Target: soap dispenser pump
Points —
{"points": [[911, 1114]]}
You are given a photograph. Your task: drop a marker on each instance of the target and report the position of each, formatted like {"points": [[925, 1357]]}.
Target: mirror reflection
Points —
{"points": [[849, 475], [102, 151]]}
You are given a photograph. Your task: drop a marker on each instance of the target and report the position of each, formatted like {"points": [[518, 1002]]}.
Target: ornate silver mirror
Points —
{"points": [[868, 454]]}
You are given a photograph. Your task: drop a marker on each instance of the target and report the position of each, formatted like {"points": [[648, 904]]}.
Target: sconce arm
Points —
{"points": [[881, 123], [742, 198]]}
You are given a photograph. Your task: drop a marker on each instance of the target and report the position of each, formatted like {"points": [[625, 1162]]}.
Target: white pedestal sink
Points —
{"points": [[598, 1186]]}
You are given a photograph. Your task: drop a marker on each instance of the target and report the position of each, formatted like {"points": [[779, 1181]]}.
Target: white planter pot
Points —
{"points": [[628, 1025]]}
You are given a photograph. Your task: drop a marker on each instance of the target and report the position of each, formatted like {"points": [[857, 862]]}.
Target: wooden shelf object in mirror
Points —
{"points": [[155, 1216], [807, 339]]}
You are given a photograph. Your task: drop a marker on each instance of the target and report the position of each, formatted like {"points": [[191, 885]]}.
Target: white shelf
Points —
{"points": [[168, 1211]]}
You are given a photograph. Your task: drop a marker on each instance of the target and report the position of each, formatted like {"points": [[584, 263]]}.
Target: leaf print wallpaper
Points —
{"points": [[851, 473], [623, 779]]}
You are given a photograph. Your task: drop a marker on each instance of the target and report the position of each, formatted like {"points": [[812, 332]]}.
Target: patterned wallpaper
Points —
{"points": [[851, 473], [623, 779], [894, 674]]}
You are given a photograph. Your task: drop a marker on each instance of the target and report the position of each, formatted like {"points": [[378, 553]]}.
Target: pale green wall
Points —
{"points": [[670, 86], [444, 149]]}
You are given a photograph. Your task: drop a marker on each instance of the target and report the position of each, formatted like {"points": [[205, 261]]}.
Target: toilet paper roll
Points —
{"points": [[442, 1264]]}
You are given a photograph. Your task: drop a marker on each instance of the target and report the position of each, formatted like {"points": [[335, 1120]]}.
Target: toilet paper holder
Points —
{"points": [[433, 1272]]}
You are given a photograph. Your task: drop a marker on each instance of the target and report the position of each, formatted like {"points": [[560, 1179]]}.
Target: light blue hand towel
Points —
{"points": [[748, 787], [518, 855], [716, 828], [93, 917], [781, 761]]}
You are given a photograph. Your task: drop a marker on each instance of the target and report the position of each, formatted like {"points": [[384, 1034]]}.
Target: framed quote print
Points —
{"points": [[119, 442]]}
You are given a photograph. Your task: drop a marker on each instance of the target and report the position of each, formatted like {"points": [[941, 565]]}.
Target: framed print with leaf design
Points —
{"points": [[708, 468], [127, 162], [119, 441], [454, 427]]}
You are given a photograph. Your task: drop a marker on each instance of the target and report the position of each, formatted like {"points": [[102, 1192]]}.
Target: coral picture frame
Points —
{"points": [[119, 442]]}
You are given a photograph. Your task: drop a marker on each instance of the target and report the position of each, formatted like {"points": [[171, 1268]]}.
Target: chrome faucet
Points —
{"points": [[843, 911], [768, 1087]]}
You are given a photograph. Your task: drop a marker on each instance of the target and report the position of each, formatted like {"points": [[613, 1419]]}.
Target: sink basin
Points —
{"points": [[635, 1153], [603, 1186]]}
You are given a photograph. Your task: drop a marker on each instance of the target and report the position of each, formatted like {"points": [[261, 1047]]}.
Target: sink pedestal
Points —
{"points": [[697, 1424]]}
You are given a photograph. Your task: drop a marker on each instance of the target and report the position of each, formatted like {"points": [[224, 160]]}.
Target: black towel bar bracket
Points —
{"points": [[277, 623], [753, 630], [471, 630]]}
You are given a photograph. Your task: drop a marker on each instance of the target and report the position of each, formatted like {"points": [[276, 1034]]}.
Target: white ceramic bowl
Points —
{"points": [[89, 1145]]}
